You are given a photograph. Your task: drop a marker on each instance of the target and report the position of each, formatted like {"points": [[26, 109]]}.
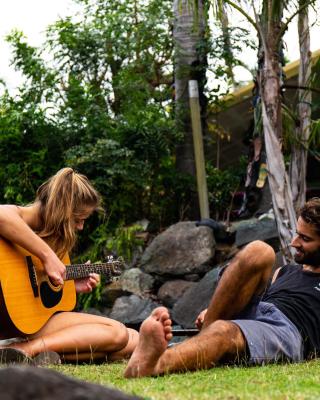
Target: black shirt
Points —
{"points": [[297, 294]]}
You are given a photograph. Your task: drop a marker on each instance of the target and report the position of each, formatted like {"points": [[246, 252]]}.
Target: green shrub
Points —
{"points": [[222, 186]]}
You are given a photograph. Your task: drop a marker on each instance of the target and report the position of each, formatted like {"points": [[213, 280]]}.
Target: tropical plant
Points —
{"points": [[222, 187], [267, 18], [102, 105]]}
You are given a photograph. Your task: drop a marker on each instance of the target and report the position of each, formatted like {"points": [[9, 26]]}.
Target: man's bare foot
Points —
{"points": [[155, 332]]}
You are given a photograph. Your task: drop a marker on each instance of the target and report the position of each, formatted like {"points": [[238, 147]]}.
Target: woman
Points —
{"points": [[47, 228]]}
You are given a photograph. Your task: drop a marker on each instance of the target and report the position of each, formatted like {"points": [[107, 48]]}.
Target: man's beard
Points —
{"points": [[312, 258]]}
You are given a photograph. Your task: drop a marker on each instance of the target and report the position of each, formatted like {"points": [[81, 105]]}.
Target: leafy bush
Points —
{"points": [[222, 186]]}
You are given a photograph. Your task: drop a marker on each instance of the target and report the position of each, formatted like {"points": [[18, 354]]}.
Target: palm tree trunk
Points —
{"points": [[269, 81], [227, 45], [298, 164], [190, 63]]}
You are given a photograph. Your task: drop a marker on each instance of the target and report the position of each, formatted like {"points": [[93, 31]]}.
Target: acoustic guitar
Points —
{"points": [[27, 296]]}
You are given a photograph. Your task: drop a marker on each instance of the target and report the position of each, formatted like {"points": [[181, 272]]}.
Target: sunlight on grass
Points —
{"points": [[295, 381]]}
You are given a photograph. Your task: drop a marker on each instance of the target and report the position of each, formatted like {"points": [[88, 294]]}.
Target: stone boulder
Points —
{"points": [[132, 310], [171, 291], [182, 249], [264, 229], [31, 383], [137, 282], [195, 299], [111, 293]]}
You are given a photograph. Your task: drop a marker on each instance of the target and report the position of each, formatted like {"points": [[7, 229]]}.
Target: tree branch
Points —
{"points": [[316, 90], [286, 24], [260, 30], [247, 16]]}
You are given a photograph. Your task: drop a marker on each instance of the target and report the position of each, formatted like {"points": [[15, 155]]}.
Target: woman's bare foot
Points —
{"points": [[155, 332]]}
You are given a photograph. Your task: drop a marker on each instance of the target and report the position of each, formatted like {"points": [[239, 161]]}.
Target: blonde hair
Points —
{"points": [[62, 198]]}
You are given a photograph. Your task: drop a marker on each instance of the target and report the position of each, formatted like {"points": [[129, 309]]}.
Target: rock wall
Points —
{"points": [[179, 269]]}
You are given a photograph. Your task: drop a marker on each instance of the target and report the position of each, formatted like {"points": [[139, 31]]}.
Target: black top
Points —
{"points": [[297, 294]]}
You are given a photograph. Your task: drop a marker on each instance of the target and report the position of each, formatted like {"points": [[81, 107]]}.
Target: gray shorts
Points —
{"points": [[270, 335]]}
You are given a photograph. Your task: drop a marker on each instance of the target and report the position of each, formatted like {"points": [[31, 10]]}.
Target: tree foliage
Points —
{"points": [[97, 96]]}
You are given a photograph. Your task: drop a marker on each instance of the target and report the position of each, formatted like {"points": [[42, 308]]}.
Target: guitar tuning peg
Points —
{"points": [[110, 258]]}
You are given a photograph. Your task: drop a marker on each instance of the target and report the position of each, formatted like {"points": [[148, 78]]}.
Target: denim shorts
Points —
{"points": [[270, 335]]}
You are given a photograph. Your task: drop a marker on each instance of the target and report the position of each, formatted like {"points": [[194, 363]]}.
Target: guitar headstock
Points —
{"points": [[116, 265]]}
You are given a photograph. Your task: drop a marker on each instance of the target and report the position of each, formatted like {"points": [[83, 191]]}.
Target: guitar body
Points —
{"points": [[27, 297]]}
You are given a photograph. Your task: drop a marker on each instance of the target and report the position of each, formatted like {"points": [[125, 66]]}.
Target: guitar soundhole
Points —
{"points": [[49, 297]]}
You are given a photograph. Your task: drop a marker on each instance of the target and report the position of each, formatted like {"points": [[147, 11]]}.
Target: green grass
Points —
{"points": [[294, 381]]}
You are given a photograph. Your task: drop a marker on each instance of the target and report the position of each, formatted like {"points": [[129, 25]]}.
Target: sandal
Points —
{"points": [[263, 173]]}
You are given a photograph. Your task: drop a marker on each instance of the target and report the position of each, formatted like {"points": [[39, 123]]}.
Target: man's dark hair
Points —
{"points": [[310, 213]]}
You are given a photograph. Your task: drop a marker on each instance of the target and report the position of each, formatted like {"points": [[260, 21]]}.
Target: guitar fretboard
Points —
{"points": [[76, 271]]}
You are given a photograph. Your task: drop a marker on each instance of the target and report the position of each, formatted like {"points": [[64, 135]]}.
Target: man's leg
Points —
{"points": [[247, 274], [152, 357]]}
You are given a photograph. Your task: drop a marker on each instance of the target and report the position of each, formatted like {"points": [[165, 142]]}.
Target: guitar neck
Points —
{"points": [[76, 271]]}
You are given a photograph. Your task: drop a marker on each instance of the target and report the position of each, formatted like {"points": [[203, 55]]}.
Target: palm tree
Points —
{"points": [[269, 23]]}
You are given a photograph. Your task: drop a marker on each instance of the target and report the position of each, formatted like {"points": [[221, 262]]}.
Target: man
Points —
{"points": [[246, 319]]}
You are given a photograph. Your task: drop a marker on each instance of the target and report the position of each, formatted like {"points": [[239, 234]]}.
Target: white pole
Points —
{"points": [[198, 149]]}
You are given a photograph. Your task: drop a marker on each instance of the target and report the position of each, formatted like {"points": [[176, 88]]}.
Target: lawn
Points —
{"points": [[295, 381]]}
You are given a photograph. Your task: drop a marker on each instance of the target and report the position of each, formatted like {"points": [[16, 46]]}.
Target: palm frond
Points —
{"points": [[315, 75], [314, 138], [217, 8]]}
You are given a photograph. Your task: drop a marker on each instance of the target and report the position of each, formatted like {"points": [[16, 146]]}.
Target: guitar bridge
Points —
{"points": [[32, 276]]}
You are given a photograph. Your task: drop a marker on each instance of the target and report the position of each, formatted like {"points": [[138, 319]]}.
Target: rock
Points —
{"points": [[137, 282], [191, 277], [111, 292], [172, 291], [132, 310], [264, 229], [220, 230], [182, 249], [265, 203], [31, 383], [195, 299], [224, 252]]}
